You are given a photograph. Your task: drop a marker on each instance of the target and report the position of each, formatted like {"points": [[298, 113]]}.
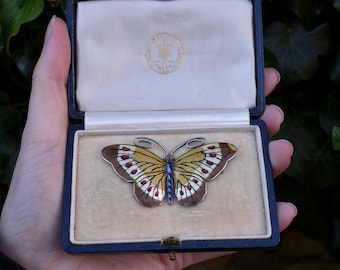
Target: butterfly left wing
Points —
{"points": [[138, 165], [201, 163]]}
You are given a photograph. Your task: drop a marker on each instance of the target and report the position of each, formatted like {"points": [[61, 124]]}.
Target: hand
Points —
{"points": [[30, 224]]}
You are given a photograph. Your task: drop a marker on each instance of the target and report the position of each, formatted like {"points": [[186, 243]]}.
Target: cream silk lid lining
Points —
{"points": [[213, 55]]}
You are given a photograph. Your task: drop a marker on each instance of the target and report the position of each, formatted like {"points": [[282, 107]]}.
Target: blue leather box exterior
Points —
{"points": [[77, 117]]}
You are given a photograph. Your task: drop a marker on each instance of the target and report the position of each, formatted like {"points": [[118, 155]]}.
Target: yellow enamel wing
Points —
{"points": [[155, 178]]}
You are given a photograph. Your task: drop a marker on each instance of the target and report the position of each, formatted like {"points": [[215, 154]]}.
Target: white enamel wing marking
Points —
{"points": [[213, 158], [128, 163], [192, 186], [146, 185]]}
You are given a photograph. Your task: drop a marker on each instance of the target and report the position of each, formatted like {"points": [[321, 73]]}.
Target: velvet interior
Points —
{"points": [[104, 209]]}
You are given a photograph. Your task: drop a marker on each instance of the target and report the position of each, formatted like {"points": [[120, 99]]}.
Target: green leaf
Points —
{"points": [[4, 98], [306, 101], [14, 13], [9, 119], [334, 71], [8, 154], [306, 11], [10, 123], [1, 41], [25, 56], [336, 4], [63, 6], [297, 49], [336, 138], [314, 164], [269, 59], [315, 216], [329, 113]]}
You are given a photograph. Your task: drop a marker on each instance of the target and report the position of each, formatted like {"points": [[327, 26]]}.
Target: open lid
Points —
{"points": [[188, 55]]}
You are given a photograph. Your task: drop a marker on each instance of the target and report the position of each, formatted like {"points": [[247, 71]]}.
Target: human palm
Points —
{"points": [[30, 224]]}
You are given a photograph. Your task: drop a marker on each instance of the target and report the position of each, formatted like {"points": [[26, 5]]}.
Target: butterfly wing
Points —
{"points": [[138, 165], [201, 163]]}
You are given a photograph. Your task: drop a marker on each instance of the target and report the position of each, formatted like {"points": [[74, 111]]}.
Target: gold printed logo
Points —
{"points": [[164, 50], [164, 53]]}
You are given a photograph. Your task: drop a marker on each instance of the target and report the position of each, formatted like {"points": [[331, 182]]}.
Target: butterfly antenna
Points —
{"points": [[148, 143], [192, 143]]}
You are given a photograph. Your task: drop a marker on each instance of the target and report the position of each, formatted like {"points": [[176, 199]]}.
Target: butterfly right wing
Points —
{"points": [[138, 165], [201, 163]]}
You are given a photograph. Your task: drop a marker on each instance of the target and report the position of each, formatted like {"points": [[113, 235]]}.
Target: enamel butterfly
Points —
{"points": [[155, 178]]}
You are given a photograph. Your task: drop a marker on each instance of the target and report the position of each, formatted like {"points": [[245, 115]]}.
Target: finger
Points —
{"points": [[280, 152], [196, 257], [286, 213], [47, 115], [273, 116], [271, 79]]}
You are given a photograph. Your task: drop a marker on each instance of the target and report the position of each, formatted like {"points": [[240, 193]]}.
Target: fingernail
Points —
{"points": [[290, 145], [49, 28], [294, 207], [282, 115], [278, 75]]}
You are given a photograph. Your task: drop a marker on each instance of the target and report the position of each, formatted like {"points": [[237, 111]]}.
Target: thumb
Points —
{"points": [[47, 114], [34, 200]]}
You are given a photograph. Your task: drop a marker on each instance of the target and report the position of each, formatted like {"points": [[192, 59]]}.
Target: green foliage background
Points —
{"points": [[301, 38]]}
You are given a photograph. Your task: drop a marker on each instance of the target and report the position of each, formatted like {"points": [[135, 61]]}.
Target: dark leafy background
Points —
{"points": [[302, 40]]}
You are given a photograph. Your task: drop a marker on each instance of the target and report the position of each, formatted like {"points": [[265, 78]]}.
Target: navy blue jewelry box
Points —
{"points": [[169, 71]]}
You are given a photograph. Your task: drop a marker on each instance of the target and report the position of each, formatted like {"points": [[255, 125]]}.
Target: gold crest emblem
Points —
{"points": [[164, 53]]}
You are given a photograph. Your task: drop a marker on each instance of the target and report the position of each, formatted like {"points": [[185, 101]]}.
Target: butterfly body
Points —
{"points": [[155, 178], [169, 180]]}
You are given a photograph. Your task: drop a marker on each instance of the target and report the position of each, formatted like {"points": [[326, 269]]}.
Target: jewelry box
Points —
{"points": [[180, 75]]}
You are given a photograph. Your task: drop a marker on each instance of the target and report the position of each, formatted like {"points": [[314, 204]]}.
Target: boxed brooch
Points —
{"points": [[168, 154]]}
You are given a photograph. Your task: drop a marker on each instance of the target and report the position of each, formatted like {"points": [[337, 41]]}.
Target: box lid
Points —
{"points": [[133, 56]]}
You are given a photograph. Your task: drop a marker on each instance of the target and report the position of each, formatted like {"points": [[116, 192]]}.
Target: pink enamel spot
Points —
{"points": [[134, 171], [125, 157], [204, 171], [126, 148], [128, 164]]}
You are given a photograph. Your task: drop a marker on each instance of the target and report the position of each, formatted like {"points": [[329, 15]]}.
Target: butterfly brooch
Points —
{"points": [[154, 177]]}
